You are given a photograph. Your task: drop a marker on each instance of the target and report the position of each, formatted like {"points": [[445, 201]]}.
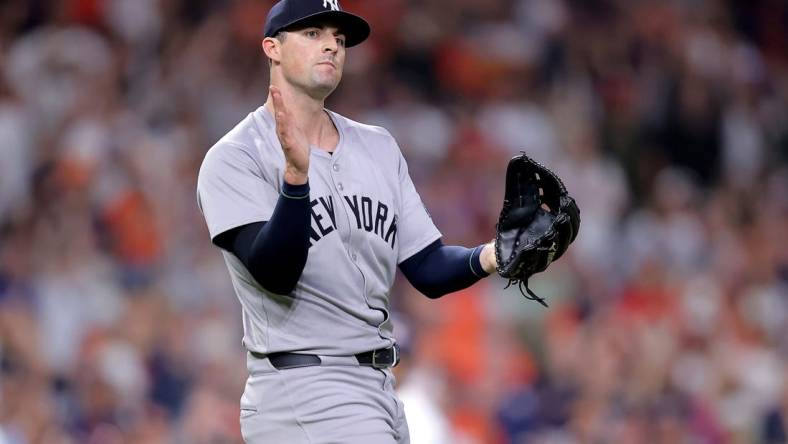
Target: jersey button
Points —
{"points": [[353, 257], [335, 167], [340, 187]]}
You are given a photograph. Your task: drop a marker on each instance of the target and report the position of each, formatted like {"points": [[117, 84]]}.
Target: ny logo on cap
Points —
{"points": [[333, 4]]}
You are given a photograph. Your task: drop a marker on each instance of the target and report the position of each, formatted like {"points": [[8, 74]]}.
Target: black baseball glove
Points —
{"points": [[537, 223]]}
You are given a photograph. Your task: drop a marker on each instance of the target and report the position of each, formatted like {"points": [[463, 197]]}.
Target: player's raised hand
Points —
{"points": [[293, 140]]}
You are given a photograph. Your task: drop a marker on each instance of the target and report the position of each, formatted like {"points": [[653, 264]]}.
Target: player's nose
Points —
{"points": [[330, 45]]}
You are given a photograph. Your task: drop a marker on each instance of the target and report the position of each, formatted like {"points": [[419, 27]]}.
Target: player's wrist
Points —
{"points": [[295, 177], [487, 258]]}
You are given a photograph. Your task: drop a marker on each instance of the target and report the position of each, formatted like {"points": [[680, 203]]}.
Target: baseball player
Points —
{"points": [[313, 212]]}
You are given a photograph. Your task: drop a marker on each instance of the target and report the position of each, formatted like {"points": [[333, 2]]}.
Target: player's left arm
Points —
{"points": [[431, 267], [438, 269]]}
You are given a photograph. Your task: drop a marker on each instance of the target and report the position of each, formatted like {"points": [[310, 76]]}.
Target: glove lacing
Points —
{"points": [[527, 293]]}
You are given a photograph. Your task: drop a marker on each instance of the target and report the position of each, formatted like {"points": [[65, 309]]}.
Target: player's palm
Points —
{"points": [[293, 140]]}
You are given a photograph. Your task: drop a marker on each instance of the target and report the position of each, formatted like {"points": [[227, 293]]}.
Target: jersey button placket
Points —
{"points": [[335, 167]]}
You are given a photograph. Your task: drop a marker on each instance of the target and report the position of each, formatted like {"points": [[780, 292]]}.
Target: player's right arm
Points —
{"points": [[266, 227], [274, 248], [275, 251]]}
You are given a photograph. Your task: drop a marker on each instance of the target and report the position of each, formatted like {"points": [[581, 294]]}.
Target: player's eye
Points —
{"points": [[340, 41], [311, 33]]}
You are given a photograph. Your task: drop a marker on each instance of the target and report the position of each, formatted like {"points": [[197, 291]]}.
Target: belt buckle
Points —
{"points": [[394, 349]]}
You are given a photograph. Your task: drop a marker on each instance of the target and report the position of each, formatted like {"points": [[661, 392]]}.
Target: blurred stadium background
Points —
{"points": [[668, 120]]}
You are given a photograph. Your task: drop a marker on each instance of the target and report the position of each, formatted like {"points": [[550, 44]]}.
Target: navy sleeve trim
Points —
{"points": [[295, 191], [475, 262]]}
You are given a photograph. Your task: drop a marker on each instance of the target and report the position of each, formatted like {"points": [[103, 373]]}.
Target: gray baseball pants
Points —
{"points": [[336, 402]]}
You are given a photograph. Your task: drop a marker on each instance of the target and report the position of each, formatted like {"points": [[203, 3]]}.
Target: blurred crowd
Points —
{"points": [[668, 120]]}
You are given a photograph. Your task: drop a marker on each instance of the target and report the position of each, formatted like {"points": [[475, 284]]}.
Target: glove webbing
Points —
{"points": [[523, 283]]}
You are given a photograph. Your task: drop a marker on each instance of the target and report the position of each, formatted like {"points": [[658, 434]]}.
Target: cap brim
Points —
{"points": [[355, 28]]}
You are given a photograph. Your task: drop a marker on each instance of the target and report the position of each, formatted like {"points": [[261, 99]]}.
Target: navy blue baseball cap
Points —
{"points": [[287, 13]]}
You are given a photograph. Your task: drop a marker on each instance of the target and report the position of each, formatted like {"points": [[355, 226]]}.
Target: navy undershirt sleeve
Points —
{"points": [[440, 269], [275, 251]]}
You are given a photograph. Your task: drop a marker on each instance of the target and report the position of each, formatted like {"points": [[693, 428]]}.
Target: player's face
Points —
{"points": [[313, 58]]}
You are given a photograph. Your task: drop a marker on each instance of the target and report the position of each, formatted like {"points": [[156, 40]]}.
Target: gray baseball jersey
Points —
{"points": [[366, 218]]}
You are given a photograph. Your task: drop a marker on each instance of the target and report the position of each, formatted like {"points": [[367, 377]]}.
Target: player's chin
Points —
{"points": [[326, 74], [328, 69], [326, 84]]}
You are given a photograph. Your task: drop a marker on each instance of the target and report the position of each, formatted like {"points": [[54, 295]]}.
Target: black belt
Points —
{"points": [[380, 358]]}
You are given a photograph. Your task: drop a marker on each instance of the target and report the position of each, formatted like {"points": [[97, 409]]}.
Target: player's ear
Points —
{"points": [[272, 48]]}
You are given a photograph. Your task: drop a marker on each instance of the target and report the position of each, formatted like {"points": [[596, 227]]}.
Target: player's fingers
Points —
{"points": [[280, 110], [289, 134], [285, 139], [280, 114], [279, 103], [276, 95]]}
